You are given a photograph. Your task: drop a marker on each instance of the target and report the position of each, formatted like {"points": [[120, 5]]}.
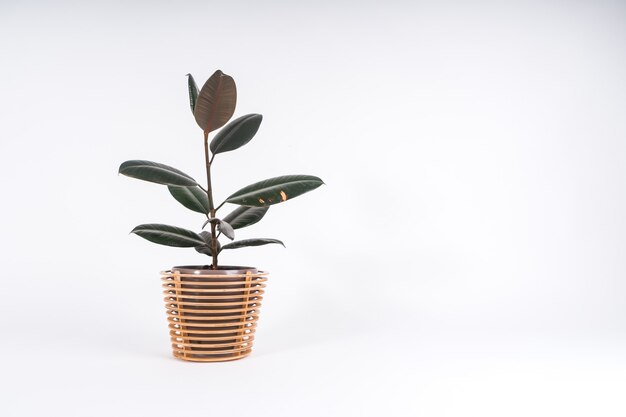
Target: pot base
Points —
{"points": [[194, 359]]}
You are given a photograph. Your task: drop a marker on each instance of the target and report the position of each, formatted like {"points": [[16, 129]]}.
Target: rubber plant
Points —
{"points": [[212, 107]]}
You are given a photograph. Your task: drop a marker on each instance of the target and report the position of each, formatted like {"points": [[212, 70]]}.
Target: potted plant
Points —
{"points": [[213, 309]]}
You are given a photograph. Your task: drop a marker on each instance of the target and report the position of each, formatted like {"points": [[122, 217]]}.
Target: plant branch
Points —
{"points": [[218, 207]]}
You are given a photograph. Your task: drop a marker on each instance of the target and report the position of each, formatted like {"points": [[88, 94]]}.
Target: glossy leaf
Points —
{"points": [[216, 102], [274, 190], [236, 133], [191, 197], [222, 226], [168, 235], [155, 172], [226, 229], [245, 216], [206, 247], [206, 236], [193, 91], [251, 242]]}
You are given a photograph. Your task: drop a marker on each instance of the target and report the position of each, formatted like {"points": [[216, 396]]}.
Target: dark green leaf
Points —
{"points": [[168, 235], [236, 133], [216, 102], [222, 226], [274, 190], [250, 242], [206, 236], [206, 247], [226, 229], [193, 92], [155, 172], [191, 197], [245, 216]]}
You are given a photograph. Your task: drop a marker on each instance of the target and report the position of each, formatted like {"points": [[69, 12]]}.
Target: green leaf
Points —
{"points": [[236, 133], [226, 229], [193, 91], [191, 197], [206, 236], [216, 102], [250, 242], [245, 216], [274, 190], [206, 247], [222, 226], [155, 172], [168, 235]]}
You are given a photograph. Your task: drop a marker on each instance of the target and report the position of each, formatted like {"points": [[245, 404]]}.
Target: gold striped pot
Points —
{"points": [[212, 314]]}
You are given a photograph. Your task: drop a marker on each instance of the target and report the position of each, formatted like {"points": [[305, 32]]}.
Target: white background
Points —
{"points": [[466, 257]]}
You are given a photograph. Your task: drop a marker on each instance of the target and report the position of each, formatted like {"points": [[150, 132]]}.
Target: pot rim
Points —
{"points": [[206, 270]]}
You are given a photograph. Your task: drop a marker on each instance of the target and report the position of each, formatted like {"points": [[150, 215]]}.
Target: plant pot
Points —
{"points": [[212, 313]]}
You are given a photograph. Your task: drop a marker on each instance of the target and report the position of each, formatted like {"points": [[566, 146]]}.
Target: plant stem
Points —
{"points": [[209, 192], [214, 245]]}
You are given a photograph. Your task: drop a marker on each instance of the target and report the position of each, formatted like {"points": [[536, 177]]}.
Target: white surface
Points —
{"points": [[465, 258]]}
